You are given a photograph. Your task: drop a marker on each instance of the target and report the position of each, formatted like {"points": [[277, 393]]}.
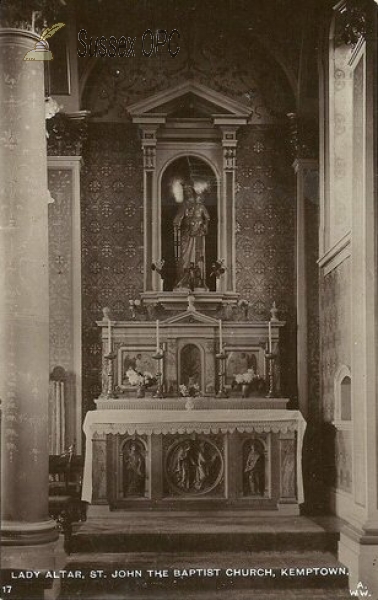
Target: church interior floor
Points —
{"points": [[123, 543]]}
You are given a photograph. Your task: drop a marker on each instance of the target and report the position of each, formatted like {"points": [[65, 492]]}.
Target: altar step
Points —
{"points": [[223, 531], [253, 556]]}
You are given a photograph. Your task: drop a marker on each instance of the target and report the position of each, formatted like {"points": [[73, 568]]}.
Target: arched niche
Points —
{"points": [[189, 123], [343, 396], [191, 366], [182, 172]]}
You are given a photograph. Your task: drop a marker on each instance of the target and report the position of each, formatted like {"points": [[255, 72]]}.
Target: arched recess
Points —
{"points": [[343, 396], [189, 120]]}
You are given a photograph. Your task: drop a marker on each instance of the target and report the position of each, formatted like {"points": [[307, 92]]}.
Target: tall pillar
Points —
{"points": [[27, 532], [306, 170]]}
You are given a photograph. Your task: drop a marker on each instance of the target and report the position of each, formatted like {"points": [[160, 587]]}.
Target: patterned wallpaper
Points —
{"points": [[60, 268], [112, 236], [265, 235], [335, 348], [236, 70]]}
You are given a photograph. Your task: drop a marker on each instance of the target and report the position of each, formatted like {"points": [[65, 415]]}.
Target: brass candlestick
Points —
{"points": [[110, 357], [159, 357], [221, 356], [271, 357]]}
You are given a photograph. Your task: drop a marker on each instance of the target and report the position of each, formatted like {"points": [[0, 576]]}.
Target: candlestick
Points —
{"points": [[271, 357], [159, 357], [157, 336], [109, 335], [222, 357], [220, 335], [270, 337]]}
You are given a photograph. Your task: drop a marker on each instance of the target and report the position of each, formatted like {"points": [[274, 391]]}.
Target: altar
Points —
{"points": [[164, 457], [191, 415]]}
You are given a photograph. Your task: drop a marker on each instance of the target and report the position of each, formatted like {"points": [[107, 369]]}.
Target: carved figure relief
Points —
{"points": [[134, 469], [287, 468], [253, 468], [193, 466]]}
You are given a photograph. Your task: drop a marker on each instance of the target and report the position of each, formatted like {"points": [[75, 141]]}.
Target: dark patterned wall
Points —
{"points": [[265, 235], [112, 183], [60, 269], [112, 236]]}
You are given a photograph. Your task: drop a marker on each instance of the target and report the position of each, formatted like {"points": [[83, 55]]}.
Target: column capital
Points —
{"points": [[67, 133], [28, 16]]}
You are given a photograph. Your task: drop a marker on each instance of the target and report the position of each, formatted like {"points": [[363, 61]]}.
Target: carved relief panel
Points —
{"points": [[193, 465]]}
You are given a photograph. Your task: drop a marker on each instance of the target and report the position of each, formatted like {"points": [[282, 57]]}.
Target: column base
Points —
{"points": [[358, 550], [21, 533]]}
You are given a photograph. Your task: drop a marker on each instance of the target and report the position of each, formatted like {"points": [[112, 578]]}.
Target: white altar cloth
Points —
{"points": [[141, 422]]}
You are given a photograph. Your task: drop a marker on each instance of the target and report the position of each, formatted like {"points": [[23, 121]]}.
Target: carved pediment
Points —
{"points": [[189, 100], [191, 315]]}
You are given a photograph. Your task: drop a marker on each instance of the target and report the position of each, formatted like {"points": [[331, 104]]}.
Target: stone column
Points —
{"points": [[152, 217], [227, 214], [27, 532], [307, 192]]}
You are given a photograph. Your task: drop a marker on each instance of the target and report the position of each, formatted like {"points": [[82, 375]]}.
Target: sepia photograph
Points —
{"points": [[188, 299]]}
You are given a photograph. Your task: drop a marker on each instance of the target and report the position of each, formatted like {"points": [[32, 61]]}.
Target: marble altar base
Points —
{"points": [[200, 458]]}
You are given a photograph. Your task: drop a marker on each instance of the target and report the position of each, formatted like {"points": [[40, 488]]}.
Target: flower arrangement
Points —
{"points": [[189, 391], [138, 379], [248, 381]]}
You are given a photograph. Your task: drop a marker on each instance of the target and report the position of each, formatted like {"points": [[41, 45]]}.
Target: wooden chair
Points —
{"points": [[65, 505]]}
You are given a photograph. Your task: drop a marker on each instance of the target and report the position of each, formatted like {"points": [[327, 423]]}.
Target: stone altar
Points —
{"points": [[195, 457], [174, 429]]}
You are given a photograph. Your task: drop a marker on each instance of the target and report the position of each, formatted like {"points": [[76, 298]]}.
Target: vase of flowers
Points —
{"points": [[192, 390], [248, 382], [141, 381]]}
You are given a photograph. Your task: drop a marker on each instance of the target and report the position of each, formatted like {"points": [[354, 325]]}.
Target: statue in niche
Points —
{"points": [[191, 225], [287, 469], [134, 469], [254, 470], [182, 466]]}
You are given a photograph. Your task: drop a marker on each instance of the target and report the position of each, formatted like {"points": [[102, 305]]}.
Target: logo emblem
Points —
{"points": [[41, 50]]}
